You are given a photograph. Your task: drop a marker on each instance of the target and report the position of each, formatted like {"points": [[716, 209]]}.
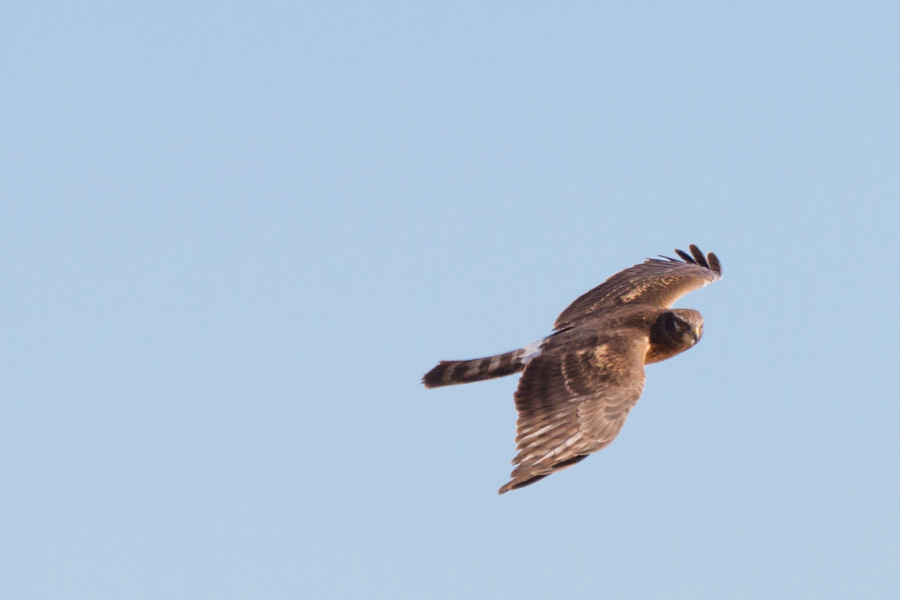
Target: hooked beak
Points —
{"points": [[697, 332]]}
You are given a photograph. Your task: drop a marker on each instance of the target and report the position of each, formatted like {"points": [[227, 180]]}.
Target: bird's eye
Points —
{"points": [[673, 324]]}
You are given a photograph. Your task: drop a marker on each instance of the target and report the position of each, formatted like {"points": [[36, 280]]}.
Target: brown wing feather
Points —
{"points": [[655, 282], [573, 402]]}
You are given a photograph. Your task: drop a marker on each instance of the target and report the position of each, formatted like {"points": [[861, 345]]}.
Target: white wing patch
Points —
{"points": [[531, 350]]}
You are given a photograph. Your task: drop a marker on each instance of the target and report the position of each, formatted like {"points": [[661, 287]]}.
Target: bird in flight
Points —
{"points": [[580, 382]]}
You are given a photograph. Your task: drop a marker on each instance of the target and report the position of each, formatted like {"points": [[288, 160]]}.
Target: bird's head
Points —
{"points": [[678, 328]]}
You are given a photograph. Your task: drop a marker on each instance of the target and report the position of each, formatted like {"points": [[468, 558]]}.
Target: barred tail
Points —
{"points": [[452, 372]]}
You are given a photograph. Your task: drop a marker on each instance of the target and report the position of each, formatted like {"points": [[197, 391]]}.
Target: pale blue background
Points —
{"points": [[234, 236]]}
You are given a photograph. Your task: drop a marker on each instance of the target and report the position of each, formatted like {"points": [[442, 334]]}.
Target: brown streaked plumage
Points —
{"points": [[579, 383]]}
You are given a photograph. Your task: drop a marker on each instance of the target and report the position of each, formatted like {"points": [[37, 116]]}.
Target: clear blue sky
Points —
{"points": [[234, 236]]}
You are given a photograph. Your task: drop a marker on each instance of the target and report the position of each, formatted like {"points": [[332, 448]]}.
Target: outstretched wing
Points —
{"points": [[657, 282], [573, 402]]}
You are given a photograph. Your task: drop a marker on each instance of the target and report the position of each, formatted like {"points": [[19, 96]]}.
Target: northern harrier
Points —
{"points": [[580, 382]]}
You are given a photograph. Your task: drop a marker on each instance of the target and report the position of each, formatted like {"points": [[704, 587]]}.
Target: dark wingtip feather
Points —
{"points": [[698, 256], [517, 485], [714, 264], [685, 256]]}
